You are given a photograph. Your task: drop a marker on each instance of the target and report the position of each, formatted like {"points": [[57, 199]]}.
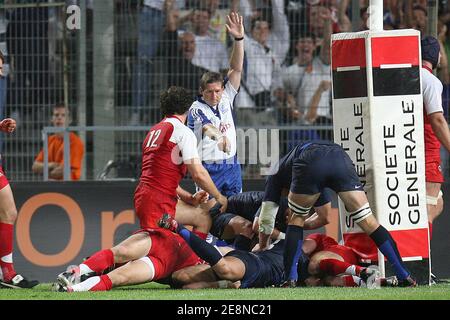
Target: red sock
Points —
{"points": [[6, 248], [100, 260], [334, 267], [349, 281], [430, 227], [201, 235], [105, 284]]}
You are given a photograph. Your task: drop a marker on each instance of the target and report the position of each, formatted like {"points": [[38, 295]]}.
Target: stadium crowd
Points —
{"points": [[277, 72]]}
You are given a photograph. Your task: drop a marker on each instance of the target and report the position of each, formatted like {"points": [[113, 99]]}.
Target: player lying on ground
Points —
{"points": [[152, 253], [306, 171], [252, 270], [327, 263], [242, 269]]}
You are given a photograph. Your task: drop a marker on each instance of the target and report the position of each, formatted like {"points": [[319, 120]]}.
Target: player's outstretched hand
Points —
{"points": [[235, 25], [8, 125]]}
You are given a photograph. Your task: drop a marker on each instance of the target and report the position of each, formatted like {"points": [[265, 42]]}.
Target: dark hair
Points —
{"points": [[430, 50], [210, 77], [421, 8], [203, 9], [175, 100], [362, 11], [2, 57], [305, 33], [265, 16], [61, 105]]}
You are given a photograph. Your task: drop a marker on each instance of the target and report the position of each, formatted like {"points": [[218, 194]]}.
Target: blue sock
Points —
{"points": [[388, 247], [292, 251], [202, 248]]}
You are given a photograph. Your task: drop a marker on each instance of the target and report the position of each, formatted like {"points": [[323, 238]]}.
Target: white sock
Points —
{"points": [[84, 269], [358, 281], [86, 285], [351, 270]]}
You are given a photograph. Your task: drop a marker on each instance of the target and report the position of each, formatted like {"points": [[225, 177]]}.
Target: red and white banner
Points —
{"points": [[378, 120]]}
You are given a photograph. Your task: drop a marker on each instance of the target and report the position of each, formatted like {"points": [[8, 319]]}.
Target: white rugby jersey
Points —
{"points": [[221, 116]]}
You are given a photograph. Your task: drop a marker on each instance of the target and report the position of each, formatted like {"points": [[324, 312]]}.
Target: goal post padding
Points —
{"points": [[378, 120]]}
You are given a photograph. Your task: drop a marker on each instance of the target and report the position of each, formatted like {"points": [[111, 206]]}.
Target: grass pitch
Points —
{"points": [[153, 291]]}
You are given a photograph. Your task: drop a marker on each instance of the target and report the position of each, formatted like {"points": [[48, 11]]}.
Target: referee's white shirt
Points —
{"points": [[220, 116]]}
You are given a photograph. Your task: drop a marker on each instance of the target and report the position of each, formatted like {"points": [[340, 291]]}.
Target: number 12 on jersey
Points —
{"points": [[153, 139]]}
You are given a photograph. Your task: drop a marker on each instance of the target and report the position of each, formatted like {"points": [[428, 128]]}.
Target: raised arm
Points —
{"points": [[327, 30], [345, 24], [311, 115], [280, 30], [235, 28]]}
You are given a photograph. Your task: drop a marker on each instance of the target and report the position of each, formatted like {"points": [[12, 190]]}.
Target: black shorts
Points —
{"points": [[324, 166], [219, 222], [262, 269]]}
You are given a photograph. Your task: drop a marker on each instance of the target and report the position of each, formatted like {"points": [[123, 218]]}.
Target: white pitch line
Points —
{"points": [[396, 66], [352, 68]]}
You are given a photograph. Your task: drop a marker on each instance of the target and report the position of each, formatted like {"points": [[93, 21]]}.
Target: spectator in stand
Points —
{"points": [[183, 72], [416, 16], [248, 10], [61, 118], [217, 20], [210, 53], [305, 92], [179, 50], [320, 13], [28, 46], [265, 49], [151, 23]]}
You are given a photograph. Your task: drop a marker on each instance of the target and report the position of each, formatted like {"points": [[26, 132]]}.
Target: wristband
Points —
{"points": [[238, 39]]}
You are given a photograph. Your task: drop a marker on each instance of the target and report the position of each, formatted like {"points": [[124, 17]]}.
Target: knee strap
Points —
{"points": [[361, 213], [298, 210]]}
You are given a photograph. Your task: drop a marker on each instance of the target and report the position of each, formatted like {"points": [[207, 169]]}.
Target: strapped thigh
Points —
{"points": [[297, 209], [149, 262], [434, 200]]}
